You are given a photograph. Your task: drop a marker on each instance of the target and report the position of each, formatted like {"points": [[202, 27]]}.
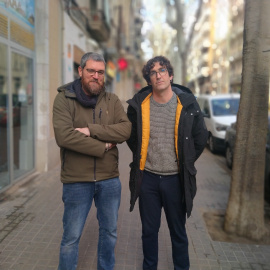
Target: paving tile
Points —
{"points": [[33, 227]]}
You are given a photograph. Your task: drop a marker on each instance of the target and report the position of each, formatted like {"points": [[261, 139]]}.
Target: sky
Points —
{"points": [[155, 17]]}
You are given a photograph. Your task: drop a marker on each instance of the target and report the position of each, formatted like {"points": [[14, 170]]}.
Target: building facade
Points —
{"points": [[17, 95], [215, 55], [41, 44]]}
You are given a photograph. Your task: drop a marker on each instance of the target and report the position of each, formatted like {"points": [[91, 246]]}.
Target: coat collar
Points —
{"points": [[185, 95]]}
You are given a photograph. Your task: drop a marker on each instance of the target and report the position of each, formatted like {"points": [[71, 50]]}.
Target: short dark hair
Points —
{"points": [[163, 61], [91, 55]]}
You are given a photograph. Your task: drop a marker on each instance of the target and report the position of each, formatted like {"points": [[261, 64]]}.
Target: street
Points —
{"points": [[31, 226]]}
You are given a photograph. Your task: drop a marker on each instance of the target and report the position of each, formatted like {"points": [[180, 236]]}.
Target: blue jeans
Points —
{"points": [[77, 198]]}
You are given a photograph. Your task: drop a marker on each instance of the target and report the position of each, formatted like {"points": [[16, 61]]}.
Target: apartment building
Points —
{"points": [[200, 55]]}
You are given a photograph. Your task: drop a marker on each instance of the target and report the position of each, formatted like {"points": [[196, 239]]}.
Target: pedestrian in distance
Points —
{"points": [[88, 124], [168, 135]]}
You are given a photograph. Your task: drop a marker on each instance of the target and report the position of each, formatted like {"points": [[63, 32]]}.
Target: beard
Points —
{"points": [[92, 87]]}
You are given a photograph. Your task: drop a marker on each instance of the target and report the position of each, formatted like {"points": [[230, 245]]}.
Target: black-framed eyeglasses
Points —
{"points": [[92, 72], [161, 71]]}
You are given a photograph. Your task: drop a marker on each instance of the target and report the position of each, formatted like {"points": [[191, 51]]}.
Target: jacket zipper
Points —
{"points": [[180, 147], [99, 116], [95, 161]]}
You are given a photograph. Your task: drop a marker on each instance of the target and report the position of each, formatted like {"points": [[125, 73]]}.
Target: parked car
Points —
{"points": [[229, 144], [267, 165], [220, 112], [230, 136]]}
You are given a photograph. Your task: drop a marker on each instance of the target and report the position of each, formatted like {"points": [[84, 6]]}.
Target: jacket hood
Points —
{"points": [[184, 93], [68, 89]]}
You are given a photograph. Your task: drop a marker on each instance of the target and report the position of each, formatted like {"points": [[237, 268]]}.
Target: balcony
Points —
{"points": [[98, 27], [76, 14]]}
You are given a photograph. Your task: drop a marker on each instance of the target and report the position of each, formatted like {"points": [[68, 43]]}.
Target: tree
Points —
{"points": [[184, 45], [184, 53], [245, 210]]}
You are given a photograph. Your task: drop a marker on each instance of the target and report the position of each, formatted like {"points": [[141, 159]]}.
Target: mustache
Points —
{"points": [[97, 82]]}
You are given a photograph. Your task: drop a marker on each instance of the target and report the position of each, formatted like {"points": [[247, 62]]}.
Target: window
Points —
{"points": [[223, 107], [93, 5]]}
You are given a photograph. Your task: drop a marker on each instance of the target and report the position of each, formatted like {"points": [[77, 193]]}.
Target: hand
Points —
{"points": [[109, 146], [85, 131]]}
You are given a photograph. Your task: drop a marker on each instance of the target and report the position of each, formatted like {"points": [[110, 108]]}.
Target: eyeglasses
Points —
{"points": [[161, 71], [92, 72]]}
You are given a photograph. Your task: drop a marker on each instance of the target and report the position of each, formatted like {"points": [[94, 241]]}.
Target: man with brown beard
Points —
{"points": [[88, 124]]}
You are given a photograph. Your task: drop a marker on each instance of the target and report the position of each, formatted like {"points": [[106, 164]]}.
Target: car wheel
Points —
{"points": [[229, 156], [212, 146], [267, 188]]}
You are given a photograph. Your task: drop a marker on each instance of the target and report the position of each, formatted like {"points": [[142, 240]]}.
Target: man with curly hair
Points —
{"points": [[168, 135]]}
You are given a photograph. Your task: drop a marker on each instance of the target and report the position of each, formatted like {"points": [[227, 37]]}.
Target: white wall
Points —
{"points": [[73, 35]]}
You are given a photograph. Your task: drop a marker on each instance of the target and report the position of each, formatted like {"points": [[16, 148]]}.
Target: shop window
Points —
{"points": [[4, 164]]}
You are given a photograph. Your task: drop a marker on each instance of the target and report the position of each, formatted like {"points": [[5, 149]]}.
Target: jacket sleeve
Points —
{"points": [[65, 134], [200, 133], [114, 133], [132, 141]]}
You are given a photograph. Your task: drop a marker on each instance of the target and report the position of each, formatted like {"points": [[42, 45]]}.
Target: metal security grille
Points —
{"points": [[3, 26], [21, 36]]}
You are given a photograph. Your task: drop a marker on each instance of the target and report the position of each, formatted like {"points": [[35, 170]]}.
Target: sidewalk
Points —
{"points": [[31, 227]]}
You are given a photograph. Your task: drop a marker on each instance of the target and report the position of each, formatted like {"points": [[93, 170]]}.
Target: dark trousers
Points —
{"points": [[159, 191]]}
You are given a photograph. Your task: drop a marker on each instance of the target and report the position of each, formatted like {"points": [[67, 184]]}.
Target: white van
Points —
{"points": [[220, 111]]}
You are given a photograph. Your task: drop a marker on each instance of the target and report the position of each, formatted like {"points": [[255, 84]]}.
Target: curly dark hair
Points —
{"points": [[163, 61]]}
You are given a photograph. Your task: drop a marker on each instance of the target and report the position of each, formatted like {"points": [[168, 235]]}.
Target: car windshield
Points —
{"points": [[223, 107]]}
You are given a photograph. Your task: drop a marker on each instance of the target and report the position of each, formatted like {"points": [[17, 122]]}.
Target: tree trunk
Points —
{"points": [[180, 36], [245, 210], [183, 47], [184, 52]]}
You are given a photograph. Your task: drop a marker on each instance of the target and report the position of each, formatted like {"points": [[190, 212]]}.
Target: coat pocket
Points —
{"points": [[192, 180], [132, 177]]}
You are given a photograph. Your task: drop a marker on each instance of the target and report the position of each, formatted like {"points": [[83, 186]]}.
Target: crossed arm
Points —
{"points": [[86, 132], [94, 139]]}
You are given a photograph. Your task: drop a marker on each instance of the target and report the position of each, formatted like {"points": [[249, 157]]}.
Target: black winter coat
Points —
{"points": [[191, 139]]}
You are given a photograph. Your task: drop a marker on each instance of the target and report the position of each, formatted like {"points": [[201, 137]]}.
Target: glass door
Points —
{"points": [[22, 114], [4, 116], [16, 115]]}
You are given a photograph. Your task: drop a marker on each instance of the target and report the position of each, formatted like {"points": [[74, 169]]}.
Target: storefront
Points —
{"points": [[17, 99]]}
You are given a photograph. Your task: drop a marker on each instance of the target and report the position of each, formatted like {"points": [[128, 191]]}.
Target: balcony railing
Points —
{"points": [[76, 14], [98, 27]]}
